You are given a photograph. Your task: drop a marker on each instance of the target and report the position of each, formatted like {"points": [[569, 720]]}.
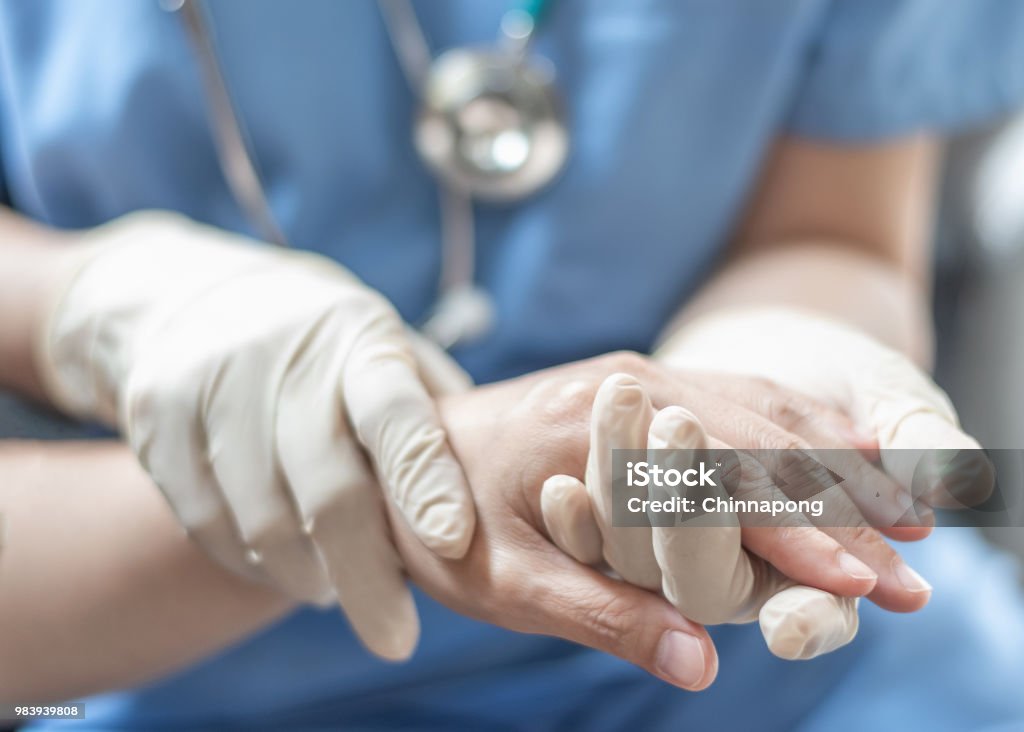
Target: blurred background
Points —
{"points": [[979, 289]]}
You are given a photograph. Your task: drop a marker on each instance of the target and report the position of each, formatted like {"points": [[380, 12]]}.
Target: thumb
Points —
{"points": [[919, 437], [569, 519], [801, 623], [579, 604], [396, 420]]}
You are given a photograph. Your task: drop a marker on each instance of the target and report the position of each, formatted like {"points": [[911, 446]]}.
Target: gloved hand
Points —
{"points": [[885, 394], [701, 567], [247, 378]]}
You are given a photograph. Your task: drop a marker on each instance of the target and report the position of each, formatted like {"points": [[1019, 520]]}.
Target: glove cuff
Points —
{"points": [[68, 382]]}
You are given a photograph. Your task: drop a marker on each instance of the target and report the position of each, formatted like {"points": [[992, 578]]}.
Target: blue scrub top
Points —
{"points": [[672, 106]]}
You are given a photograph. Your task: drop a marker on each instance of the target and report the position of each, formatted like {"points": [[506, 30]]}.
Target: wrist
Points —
{"points": [[35, 258]]}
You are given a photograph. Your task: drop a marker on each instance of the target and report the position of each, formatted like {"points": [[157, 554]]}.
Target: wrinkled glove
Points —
{"points": [[700, 567], [885, 394], [247, 379]]}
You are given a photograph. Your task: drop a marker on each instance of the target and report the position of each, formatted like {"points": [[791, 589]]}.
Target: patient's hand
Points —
{"points": [[511, 436]]}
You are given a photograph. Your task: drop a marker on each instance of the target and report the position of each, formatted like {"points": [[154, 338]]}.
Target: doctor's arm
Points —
{"points": [[29, 257], [825, 293], [271, 396], [92, 561], [820, 311], [841, 231]]}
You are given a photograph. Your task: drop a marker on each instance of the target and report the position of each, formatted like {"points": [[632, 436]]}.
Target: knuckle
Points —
{"points": [[630, 362], [844, 514], [779, 440], [785, 538], [567, 401], [787, 411], [749, 476], [610, 618], [600, 619], [863, 535], [787, 442]]}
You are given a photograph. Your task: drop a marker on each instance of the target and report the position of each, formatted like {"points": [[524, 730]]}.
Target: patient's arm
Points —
{"points": [[99, 587]]}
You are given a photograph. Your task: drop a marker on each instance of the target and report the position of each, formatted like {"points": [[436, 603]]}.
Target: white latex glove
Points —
{"points": [[880, 389], [700, 567], [247, 379]]}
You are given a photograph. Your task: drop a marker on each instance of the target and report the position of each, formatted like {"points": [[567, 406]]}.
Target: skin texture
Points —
{"points": [[839, 230], [99, 587]]}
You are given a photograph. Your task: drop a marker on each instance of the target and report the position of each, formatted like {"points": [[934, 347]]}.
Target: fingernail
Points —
{"points": [[680, 658], [911, 580], [855, 568]]}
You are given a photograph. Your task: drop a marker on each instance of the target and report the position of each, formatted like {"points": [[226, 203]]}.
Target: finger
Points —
{"points": [[801, 623], [789, 542], [899, 588], [811, 557], [912, 418], [341, 506], [816, 475], [947, 468], [569, 519], [881, 500], [396, 420], [579, 604], [241, 436], [439, 371], [185, 478], [366, 570], [868, 559], [706, 574], [957, 479], [621, 415]]}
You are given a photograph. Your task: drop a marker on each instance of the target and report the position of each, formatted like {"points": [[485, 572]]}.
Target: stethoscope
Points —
{"points": [[489, 127]]}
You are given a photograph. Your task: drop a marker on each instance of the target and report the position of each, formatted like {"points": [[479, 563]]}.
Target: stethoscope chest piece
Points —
{"points": [[490, 123]]}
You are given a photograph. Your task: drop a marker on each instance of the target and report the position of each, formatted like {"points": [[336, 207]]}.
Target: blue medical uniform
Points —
{"points": [[672, 105]]}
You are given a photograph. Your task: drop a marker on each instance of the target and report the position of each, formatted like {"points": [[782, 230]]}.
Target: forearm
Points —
{"points": [[30, 261], [842, 231], [838, 281], [99, 587]]}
